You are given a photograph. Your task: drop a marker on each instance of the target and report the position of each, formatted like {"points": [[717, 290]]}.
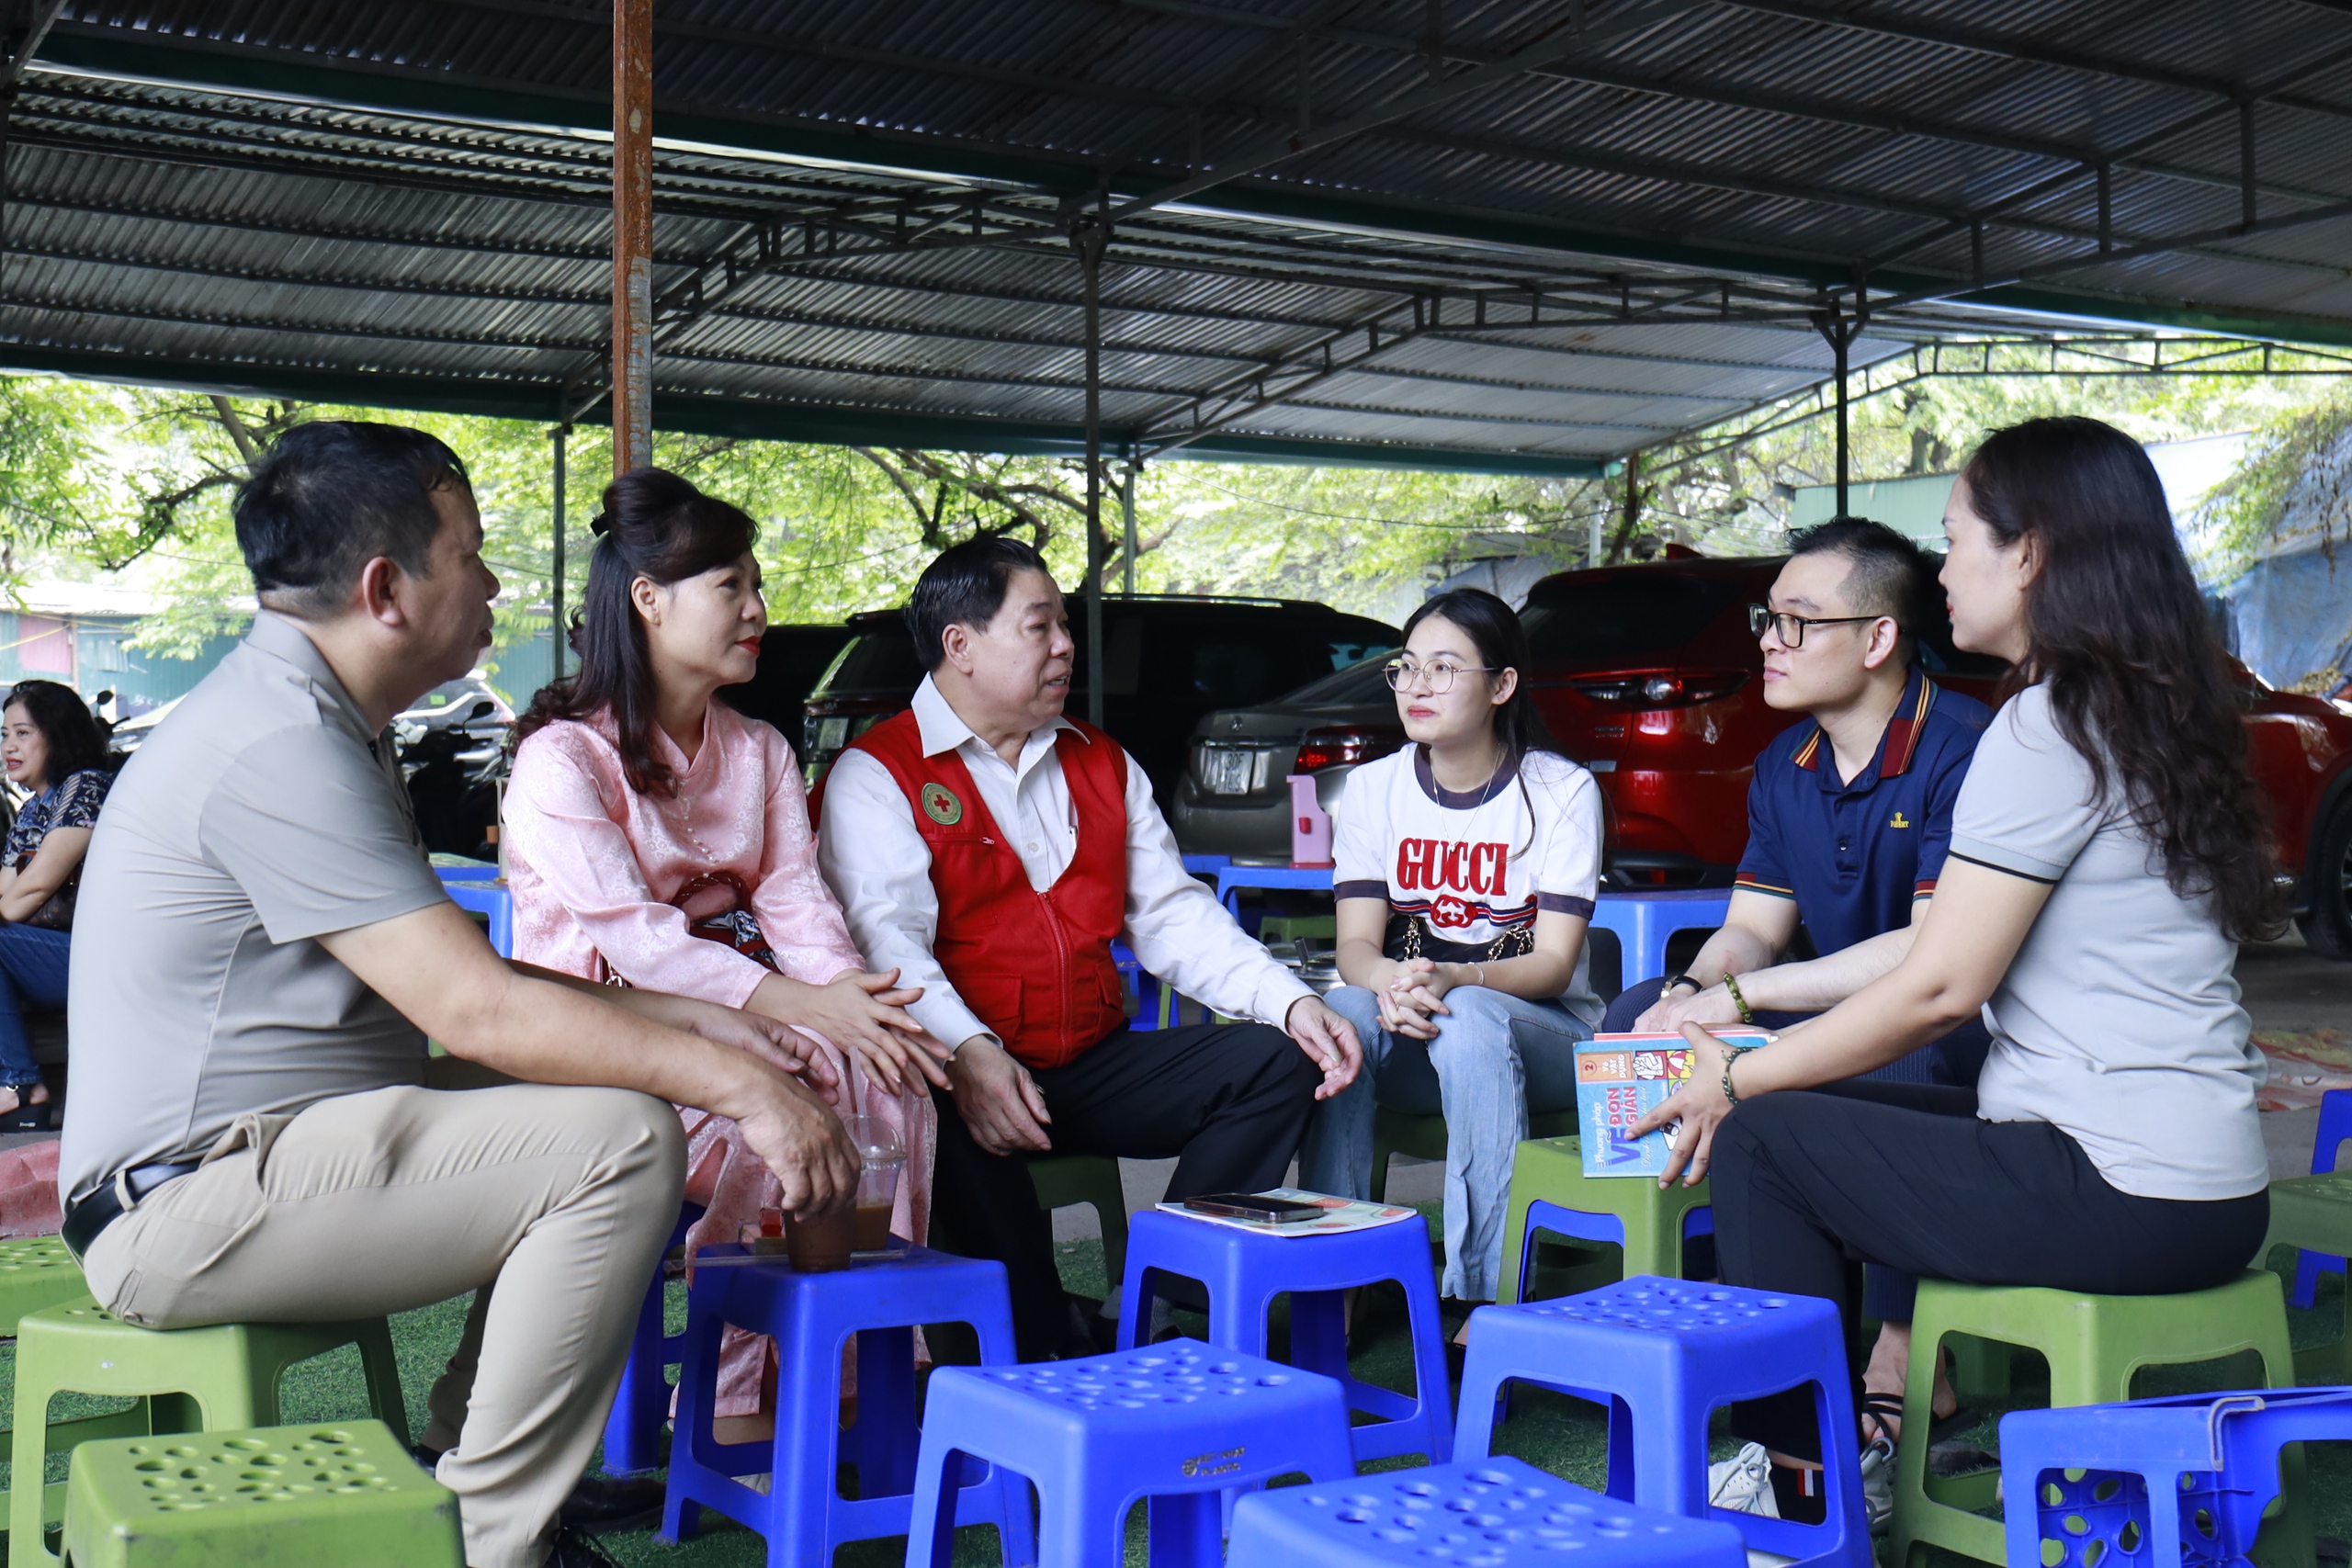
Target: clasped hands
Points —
{"points": [[1410, 994]]}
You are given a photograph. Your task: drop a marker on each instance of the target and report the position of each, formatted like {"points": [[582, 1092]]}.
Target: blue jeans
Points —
{"points": [[32, 971], [1495, 1057]]}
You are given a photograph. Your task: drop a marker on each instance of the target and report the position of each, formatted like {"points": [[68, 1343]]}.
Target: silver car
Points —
{"points": [[1233, 798]]}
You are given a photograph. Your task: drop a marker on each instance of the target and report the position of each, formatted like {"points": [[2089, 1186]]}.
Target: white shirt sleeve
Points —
{"points": [[1180, 932], [875, 860], [1360, 841]]}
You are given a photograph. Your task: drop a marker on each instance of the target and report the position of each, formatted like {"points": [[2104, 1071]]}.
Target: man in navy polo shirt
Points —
{"points": [[1849, 817], [1849, 814]]}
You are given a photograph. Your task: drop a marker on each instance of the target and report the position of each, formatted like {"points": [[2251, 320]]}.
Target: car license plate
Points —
{"points": [[1228, 771]]}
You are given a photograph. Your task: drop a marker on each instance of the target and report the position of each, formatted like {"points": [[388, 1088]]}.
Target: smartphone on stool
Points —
{"points": [[1251, 1206]]}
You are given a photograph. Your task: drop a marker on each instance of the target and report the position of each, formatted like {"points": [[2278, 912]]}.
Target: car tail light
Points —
{"points": [[1662, 691], [1321, 749]]}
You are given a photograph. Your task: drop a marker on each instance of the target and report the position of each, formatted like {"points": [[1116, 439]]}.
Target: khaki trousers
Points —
{"points": [[376, 1202]]}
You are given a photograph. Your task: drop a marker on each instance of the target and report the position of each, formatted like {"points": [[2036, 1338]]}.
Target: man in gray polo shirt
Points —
{"points": [[262, 949]]}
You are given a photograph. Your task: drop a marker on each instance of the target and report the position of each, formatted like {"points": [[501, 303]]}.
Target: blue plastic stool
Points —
{"points": [[2335, 1126], [1245, 1272], [1662, 1355], [1594, 1225], [1646, 919], [1489, 1513], [490, 899], [1180, 1423], [881, 1299], [633, 1431], [2215, 1458]]}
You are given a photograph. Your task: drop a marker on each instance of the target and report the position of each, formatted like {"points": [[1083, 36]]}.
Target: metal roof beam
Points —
{"points": [[1680, 172], [2181, 127], [1560, 43], [373, 333], [596, 300], [12, 67], [2026, 50], [481, 245], [1827, 111], [1466, 417], [2341, 210]]}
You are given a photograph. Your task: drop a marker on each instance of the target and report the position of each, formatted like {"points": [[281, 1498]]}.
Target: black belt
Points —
{"points": [[94, 1214]]}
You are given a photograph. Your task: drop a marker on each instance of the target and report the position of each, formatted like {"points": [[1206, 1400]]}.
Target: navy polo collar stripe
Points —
{"points": [[1901, 741]]}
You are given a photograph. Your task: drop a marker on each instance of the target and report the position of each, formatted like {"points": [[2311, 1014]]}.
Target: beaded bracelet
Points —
{"points": [[1731, 984], [1734, 1053]]}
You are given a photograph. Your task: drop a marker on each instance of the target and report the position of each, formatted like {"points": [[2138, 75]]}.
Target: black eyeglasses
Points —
{"points": [[1790, 629]]}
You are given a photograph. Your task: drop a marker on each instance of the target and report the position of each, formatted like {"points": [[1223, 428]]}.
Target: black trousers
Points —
{"points": [[1229, 1101], [1955, 1059], [1808, 1182]]}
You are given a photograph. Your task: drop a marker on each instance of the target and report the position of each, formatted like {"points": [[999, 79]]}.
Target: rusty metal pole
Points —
{"points": [[1088, 238], [632, 234], [1840, 342]]}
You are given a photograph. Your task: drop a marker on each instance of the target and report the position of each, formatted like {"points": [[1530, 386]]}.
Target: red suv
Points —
{"points": [[1649, 676]]}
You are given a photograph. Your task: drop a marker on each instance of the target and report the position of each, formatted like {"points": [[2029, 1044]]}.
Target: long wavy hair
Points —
{"points": [[659, 527], [2138, 681]]}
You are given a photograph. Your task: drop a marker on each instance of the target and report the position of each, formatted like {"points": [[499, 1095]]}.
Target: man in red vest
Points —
{"points": [[990, 850]]}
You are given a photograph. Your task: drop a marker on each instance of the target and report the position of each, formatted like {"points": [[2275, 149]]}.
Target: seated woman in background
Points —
{"points": [[51, 747], [657, 837], [2109, 849], [1466, 866]]}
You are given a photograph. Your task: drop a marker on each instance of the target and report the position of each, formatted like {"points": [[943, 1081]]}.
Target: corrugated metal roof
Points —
{"points": [[1621, 240]]}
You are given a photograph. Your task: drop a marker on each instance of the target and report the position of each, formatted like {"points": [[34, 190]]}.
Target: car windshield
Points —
{"points": [[1359, 683], [1622, 620], [881, 659]]}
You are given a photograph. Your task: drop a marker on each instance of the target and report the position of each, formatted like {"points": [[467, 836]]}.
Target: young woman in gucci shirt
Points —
{"points": [[1466, 867]]}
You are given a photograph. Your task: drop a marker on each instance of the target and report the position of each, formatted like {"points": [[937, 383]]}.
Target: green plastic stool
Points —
{"points": [[1552, 1170], [2315, 1212], [215, 1379], [1286, 927], [2093, 1343], [1423, 1137], [1063, 1180], [345, 1493], [36, 1271]]}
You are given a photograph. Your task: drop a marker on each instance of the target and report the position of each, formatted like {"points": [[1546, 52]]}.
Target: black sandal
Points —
{"points": [[1882, 1407], [34, 1117]]}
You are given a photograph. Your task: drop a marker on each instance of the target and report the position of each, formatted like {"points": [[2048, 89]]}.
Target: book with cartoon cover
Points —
{"points": [[1621, 1078]]}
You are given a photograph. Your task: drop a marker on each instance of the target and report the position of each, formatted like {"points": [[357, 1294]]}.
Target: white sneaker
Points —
{"points": [[1878, 1483], [1743, 1482]]}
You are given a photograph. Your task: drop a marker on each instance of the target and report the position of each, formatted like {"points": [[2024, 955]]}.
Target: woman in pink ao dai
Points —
{"points": [[656, 837]]}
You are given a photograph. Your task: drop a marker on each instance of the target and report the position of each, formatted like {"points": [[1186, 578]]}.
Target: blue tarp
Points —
{"points": [[2293, 616]]}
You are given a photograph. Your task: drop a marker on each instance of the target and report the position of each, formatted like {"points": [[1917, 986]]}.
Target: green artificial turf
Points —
{"points": [[1552, 1431]]}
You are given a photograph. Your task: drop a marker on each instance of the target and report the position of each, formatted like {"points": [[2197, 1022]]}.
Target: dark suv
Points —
{"points": [[1170, 660]]}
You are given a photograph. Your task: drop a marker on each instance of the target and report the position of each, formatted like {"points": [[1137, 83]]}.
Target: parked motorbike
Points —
{"points": [[454, 774]]}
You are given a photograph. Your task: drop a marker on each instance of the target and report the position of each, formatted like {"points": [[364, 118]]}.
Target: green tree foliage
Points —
{"points": [[123, 479], [2295, 483]]}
